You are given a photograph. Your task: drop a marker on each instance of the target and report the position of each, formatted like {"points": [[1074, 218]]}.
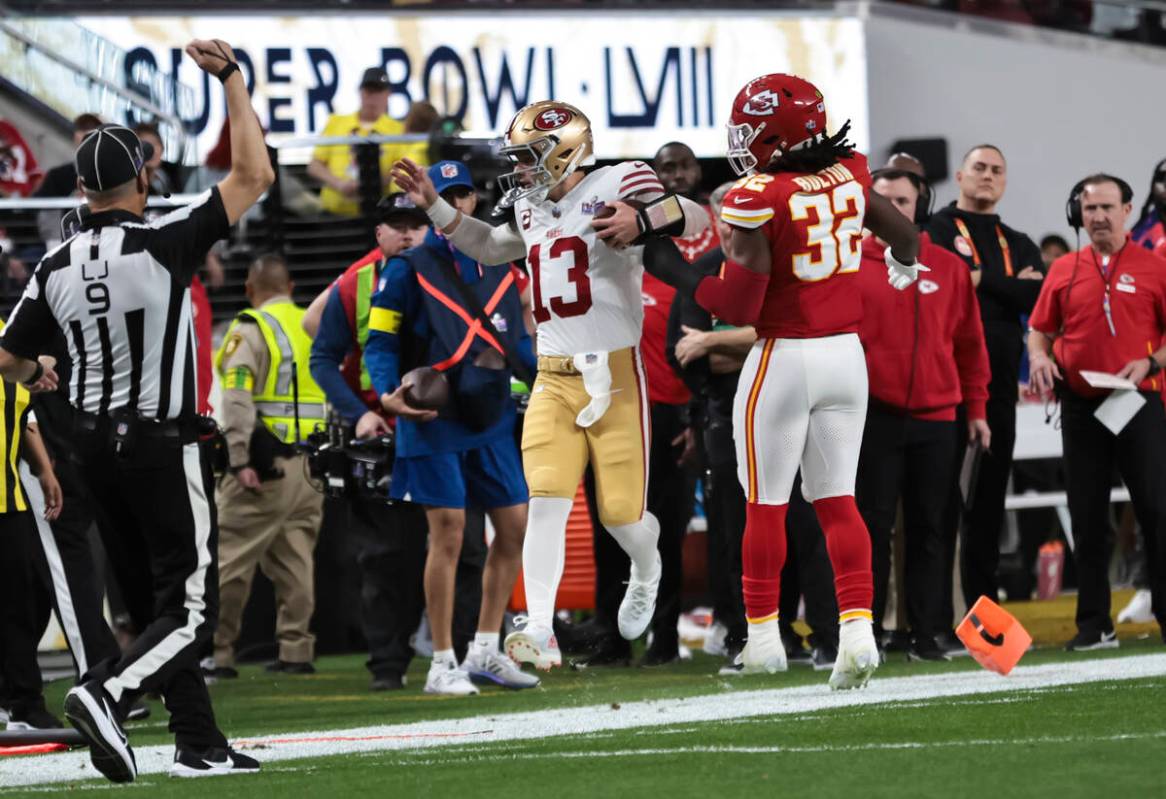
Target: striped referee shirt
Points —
{"points": [[119, 290]]}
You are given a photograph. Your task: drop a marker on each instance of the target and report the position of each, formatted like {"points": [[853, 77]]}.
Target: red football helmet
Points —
{"points": [[773, 114]]}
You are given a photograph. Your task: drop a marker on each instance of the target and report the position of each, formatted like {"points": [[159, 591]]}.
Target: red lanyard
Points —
{"points": [[1004, 250]]}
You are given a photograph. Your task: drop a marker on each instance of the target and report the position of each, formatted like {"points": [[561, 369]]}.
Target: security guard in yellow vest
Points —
{"points": [[269, 513]]}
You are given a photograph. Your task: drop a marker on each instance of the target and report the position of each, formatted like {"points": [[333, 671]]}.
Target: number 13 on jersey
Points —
{"points": [[834, 237], [572, 251]]}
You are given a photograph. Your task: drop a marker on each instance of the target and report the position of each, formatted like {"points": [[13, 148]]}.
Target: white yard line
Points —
{"points": [[71, 766]]}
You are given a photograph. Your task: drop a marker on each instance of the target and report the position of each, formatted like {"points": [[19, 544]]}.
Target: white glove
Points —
{"points": [[899, 275]]}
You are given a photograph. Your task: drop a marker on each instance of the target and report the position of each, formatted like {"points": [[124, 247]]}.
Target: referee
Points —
{"points": [[120, 292]]}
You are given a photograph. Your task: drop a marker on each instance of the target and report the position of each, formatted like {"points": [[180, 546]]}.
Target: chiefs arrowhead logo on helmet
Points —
{"points": [[552, 118], [761, 104]]}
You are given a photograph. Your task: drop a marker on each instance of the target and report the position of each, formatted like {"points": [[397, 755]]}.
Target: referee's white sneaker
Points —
{"points": [[533, 644], [490, 667], [89, 709], [639, 601], [214, 762], [858, 655], [764, 651], [447, 679]]}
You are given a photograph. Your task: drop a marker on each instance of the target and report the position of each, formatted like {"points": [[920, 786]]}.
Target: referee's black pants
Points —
{"points": [[1090, 452], [912, 460], [24, 614], [162, 540]]}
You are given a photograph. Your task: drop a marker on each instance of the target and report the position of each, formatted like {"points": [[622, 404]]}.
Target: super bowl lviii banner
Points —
{"points": [[643, 79]]}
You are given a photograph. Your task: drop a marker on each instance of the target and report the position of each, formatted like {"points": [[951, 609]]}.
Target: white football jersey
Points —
{"points": [[587, 296]]}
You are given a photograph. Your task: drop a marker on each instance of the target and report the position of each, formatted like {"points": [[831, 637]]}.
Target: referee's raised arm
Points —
{"points": [[251, 173]]}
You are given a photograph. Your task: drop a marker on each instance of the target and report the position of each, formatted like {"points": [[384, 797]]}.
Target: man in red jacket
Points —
{"points": [[925, 355]]}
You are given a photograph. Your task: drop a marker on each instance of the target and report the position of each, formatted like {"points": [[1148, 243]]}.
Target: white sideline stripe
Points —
{"points": [[541, 724], [409, 759]]}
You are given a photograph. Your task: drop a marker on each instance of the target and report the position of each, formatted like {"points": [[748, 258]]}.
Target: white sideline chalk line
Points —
{"points": [[73, 766]]}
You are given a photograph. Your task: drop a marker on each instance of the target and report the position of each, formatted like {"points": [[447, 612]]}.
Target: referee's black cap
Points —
{"points": [[110, 156]]}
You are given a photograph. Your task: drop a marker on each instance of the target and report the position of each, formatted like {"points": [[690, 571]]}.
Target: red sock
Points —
{"points": [[848, 543], [762, 557]]}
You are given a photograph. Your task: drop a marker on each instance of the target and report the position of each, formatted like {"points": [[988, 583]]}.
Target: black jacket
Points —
{"points": [[712, 394], [1003, 299]]}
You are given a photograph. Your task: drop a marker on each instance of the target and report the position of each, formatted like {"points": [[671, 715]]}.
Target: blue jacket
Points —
{"points": [[332, 344], [418, 319]]}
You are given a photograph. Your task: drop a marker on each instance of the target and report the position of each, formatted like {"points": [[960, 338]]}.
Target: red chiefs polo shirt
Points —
{"points": [[1072, 307]]}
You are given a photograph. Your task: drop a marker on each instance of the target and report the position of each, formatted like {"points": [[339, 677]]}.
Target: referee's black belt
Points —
{"points": [[177, 430]]}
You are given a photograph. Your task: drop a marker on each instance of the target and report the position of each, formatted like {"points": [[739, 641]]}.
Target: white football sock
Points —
{"points": [[443, 657], [543, 555], [638, 539], [487, 642]]}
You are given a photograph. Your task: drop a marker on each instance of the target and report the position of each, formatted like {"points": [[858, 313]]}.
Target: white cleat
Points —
{"points": [[764, 652], [494, 668], [1138, 610], [534, 644], [858, 655], [639, 602], [448, 679]]}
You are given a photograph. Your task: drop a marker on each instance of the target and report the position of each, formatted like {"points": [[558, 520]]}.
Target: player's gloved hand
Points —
{"points": [[901, 275]]}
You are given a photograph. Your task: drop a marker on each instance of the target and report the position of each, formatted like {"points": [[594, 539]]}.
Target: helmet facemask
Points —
{"points": [[741, 137], [533, 178]]}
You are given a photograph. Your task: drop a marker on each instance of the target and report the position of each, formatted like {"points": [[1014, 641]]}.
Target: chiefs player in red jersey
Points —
{"points": [[797, 217]]}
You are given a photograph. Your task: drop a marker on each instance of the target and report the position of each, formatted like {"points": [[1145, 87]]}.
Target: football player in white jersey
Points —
{"points": [[590, 402]]}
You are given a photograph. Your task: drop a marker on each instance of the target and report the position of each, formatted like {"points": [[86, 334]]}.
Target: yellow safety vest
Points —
{"points": [[14, 400], [289, 349]]}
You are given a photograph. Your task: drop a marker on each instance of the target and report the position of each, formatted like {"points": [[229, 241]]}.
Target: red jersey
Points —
{"points": [[814, 223], [924, 346], [200, 308], [1134, 281]]}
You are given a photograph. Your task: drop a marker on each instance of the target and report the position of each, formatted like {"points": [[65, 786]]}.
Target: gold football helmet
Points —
{"points": [[546, 141]]}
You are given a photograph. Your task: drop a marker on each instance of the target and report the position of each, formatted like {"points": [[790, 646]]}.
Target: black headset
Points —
{"points": [[926, 202], [1073, 213]]}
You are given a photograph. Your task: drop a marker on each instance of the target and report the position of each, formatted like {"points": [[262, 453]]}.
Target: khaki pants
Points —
{"points": [[275, 529], [556, 451]]}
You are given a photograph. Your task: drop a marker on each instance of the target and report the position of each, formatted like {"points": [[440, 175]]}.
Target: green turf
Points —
{"points": [[1058, 742]]}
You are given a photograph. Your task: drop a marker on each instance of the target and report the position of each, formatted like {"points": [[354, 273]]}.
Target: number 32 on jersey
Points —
{"points": [[833, 237]]}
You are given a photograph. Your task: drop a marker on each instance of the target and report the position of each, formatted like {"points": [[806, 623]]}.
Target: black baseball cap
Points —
{"points": [[110, 156], [375, 78], [397, 207]]}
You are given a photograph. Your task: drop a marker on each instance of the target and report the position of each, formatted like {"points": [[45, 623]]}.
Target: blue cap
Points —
{"points": [[446, 174]]}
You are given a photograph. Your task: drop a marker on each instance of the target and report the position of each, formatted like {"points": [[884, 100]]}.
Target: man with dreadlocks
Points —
{"points": [[791, 269]]}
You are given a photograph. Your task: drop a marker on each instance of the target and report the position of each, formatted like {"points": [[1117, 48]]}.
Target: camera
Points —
{"points": [[350, 467]]}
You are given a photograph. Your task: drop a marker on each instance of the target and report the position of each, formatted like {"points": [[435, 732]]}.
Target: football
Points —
{"points": [[426, 388], [609, 210]]}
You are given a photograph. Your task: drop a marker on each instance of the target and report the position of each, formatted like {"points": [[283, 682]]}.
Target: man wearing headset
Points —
{"points": [[1103, 309], [925, 356]]}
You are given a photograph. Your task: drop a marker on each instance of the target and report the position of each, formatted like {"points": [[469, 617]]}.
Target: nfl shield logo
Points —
{"points": [[449, 170]]}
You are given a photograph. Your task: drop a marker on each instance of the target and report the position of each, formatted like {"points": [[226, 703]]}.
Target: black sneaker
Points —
{"points": [[1087, 642], [924, 648], [89, 709], [284, 667], [139, 711], [799, 656], [33, 718], [605, 656], [214, 762], [951, 645], [660, 656], [823, 657], [389, 681]]}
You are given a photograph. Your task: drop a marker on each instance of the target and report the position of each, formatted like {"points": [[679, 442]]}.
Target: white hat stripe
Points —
{"points": [[96, 163]]}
